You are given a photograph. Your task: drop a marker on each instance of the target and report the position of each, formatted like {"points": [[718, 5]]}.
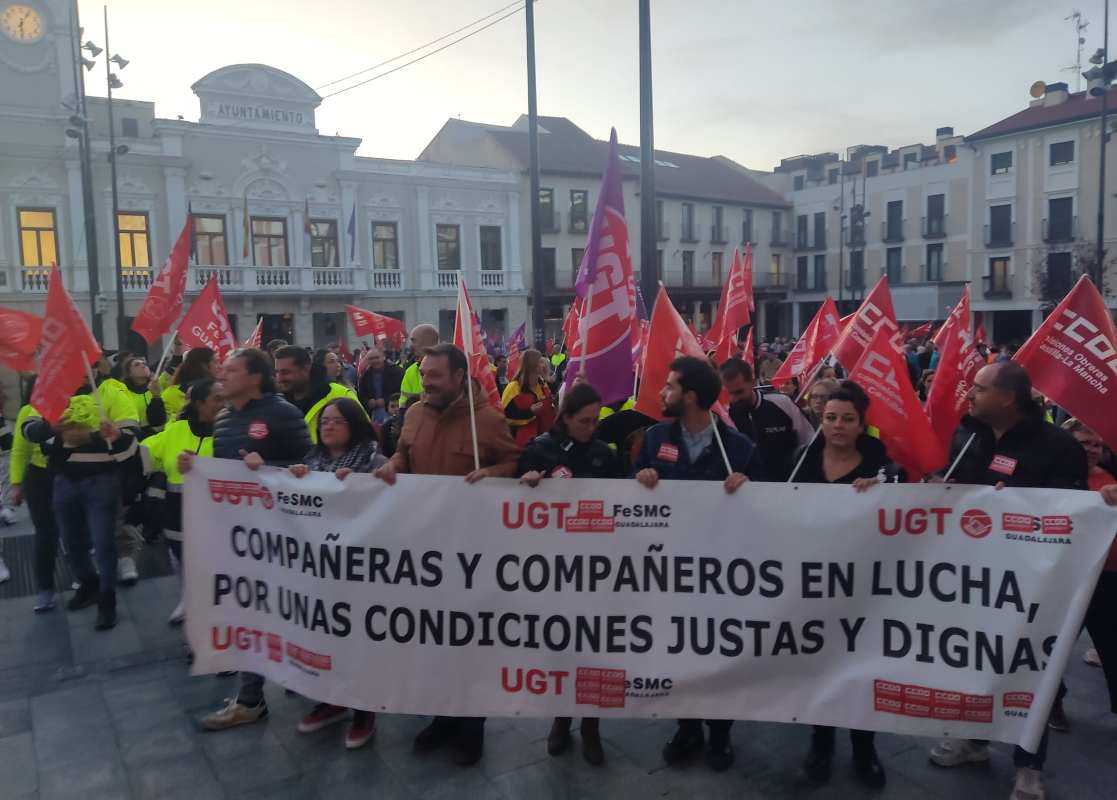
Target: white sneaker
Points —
{"points": [[7, 516], [126, 571], [1092, 658], [955, 752], [5, 573], [179, 614], [1029, 785]]}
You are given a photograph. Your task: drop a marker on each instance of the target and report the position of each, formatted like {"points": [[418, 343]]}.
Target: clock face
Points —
{"points": [[21, 23]]}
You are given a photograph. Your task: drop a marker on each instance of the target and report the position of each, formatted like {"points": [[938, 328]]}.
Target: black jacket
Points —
{"points": [[777, 427], [874, 458], [593, 459], [268, 425], [1033, 455], [393, 379], [663, 450], [95, 457]]}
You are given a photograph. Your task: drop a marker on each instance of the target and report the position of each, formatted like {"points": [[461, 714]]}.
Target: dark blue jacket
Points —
{"points": [[707, 465], [268, 425]]}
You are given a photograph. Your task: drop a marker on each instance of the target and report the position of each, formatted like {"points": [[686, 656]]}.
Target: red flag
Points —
{"points": [[257, 335], [207, 325], [959, 361], [345, 353], [875, 312], [894, 408], [379, 326], [923, 330], [668, 338], [749, 353], [163, 303], [814, 345], [747, 267], [733, 308], [572, 323], [20, 333], [514, 356], [979, 329], [467, 338], [68, 349], [1072, 359]]}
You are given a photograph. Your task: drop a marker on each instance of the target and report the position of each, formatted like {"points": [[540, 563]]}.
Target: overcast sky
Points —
{"points": [[754, 80]]}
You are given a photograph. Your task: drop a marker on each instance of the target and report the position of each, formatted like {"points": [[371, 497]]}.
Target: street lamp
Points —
{"points": [[1098, 79], [113, 82]]}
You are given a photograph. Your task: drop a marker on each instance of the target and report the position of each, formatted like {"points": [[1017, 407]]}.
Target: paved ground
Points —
{"points": [[112, 715]]}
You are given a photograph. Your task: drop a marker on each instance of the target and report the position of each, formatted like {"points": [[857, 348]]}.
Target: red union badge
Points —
{"points": [[1003, 464], [257, 430], [668, 452], [561, 472]]}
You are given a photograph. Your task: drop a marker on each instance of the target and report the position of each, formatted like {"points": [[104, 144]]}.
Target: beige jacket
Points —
{"points": [[435, 442]]}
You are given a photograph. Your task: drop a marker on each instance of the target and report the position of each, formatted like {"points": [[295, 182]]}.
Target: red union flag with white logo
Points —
{"points": [[67, 351], [875, 312], [467, 338], [163, 303], [813, 346], [1072, 359], [379, 326], [207, 325], [733, 308], [254, 340], [20, 333], [609, 323], [894, 407], [959, 362]]}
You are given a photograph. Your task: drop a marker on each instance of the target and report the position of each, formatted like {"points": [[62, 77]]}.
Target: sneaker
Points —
{"points": [[179, 614], [126, 572], [44, 601], [7, 516], [955, 752], [436, 735], [106, 611], [1057, 719], [558, 740], [321, 717], [85, 596], [5, 573], [233, 714], [1092, 658], [361, 729], [1029, 785], [687, 741]]}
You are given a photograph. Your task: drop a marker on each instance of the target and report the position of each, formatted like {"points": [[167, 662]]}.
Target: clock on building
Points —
{"points": [[22, 23]]}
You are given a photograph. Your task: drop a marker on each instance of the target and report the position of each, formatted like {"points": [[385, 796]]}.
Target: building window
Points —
{"points": [[777, 227], [715, 266], [385, 245], [660, 230], [894, 264], [1059, 225], [775, 267], [1059, 278], [38, 239], [716, 230], [323, 243], [135, 244], [547, 211], [687, 234], [797, 182], [688, 268], [802, 274], [819, 273], [934, 262], [269, 241], [871, 169], [857, 269], [548, 267], [1000, 225], [1062, 153], [210, 245], [894, 221], [832, 176], [910, 160], [998, 277], [659, 264], [129, 127], [801, 230], [449, 246], [950, 153], [936, 215], [820, 229], [490, 247], [576, 256], [746, 227], [1000, 163], [579, 210]]}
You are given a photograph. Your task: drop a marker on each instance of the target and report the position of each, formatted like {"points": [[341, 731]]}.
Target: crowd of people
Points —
{"points": [[107, 478]]}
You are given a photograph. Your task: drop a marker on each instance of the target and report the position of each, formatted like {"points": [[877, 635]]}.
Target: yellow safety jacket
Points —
{"points": [[336, 390], [23, 451]]}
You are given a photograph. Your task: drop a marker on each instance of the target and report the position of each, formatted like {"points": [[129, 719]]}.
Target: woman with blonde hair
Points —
{"points": [[527, 402]]}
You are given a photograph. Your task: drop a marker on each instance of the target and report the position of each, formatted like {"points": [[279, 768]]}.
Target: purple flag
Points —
{"points": [[606, 283]]}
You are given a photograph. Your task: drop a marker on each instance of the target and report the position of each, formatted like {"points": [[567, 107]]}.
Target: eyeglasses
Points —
{"points": [[332, 421]]}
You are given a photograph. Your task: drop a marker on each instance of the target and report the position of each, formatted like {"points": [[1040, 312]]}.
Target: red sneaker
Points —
{"points": [[322, 716], [361, 729]]}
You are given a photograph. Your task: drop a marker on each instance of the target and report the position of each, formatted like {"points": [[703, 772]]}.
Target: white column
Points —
{"points": [[76, 209], [238, 237], [513, 265], [300, 256], [423, 236], [348, 204]]}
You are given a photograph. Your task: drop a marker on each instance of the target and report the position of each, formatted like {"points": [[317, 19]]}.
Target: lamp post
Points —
{"points": [[113, 82]]}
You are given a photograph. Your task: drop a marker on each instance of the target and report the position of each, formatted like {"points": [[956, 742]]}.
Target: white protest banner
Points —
{"points": [[921, 609]]}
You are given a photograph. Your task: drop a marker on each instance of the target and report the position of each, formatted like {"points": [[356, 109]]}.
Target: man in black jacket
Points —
{"points": [[379, 381], [1012, 446], [260, 427], [773, 421]]}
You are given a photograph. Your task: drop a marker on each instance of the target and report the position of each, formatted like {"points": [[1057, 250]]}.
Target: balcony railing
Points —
{"points": [[663, 230], [810, 283], [771, 280], [291, 279], [997, 236], [934, 227], [35, 279], [891, 234], [492, 279], [387, 280], [855, 237], [932, 273], [997, 285], [717, 235], [135, 280], [447, 278], [687, 235], [1060, 230], [802, 242]]}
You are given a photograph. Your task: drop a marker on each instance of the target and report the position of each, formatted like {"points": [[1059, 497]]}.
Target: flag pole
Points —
{"points": [[810, 379], [166, 352], [469, 373], [803, 457], [954, 466], [721, 445], [93, 390]]}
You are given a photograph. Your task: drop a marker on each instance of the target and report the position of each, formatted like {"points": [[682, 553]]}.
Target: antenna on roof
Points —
{"points": [[1080, 25]]}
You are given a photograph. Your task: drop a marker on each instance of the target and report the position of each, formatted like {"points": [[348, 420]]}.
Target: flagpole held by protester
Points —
{"points": [[721, 445], [958, 460], [803, 457], [465, 320]]}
